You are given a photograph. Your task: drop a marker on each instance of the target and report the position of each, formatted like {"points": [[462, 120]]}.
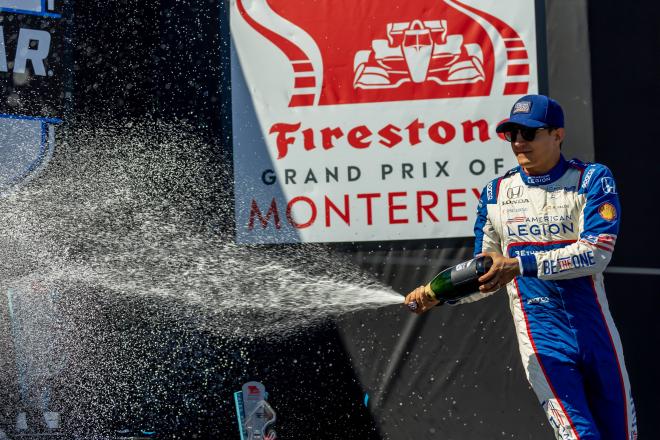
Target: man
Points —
{"points": [[550, 226]]}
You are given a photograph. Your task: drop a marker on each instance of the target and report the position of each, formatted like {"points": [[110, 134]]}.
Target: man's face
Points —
{"points": [[541, 153]]}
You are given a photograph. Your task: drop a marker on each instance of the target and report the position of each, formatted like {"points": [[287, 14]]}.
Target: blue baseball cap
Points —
{"points": [[534, 111]]}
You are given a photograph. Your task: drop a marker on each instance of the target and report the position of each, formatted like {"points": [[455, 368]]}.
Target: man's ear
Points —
{"points": [[560, 133]]}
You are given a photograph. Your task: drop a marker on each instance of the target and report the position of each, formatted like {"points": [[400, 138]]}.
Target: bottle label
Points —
{"points": [[464, 272], [463, 265]]}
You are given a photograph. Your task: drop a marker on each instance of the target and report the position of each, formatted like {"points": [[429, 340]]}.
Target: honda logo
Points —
{"points": [[514, 192]]}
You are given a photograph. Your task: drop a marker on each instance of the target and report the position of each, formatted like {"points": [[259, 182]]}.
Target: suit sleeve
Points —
{"points": [[592, 252], [486, 238]]}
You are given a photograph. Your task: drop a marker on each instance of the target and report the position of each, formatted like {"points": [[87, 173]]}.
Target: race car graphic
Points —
{"points": [[398, 50], [418, 51]]}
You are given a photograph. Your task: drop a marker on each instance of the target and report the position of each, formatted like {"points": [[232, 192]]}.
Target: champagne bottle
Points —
{"points": [[457, 282]]}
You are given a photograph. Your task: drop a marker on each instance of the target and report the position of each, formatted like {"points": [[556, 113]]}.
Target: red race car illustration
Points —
{"points": [[418, 51]]}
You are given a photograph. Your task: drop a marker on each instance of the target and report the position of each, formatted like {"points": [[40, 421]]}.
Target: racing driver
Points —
{"points": [[550, 226]]}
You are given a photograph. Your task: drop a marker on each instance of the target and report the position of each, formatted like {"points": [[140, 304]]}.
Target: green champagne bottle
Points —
{"points": [[457, 282]]}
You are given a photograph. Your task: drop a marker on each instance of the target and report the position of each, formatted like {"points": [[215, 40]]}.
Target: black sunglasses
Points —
{"points": [[527, 133]]}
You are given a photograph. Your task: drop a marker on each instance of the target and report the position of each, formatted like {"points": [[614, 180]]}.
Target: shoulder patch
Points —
{"points": [[609, 187], [607, 211], [586, 177], [491, 190], [597, 175]]}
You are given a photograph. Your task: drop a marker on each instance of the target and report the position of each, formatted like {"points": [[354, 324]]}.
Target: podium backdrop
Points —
{"points": [[409, 147]]}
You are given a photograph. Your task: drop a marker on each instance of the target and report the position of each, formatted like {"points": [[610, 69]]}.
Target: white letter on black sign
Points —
{"points": [[37, 56]]}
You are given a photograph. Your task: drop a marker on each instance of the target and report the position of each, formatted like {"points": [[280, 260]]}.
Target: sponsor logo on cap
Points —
{"points": [[607, 211], [522, 107]]}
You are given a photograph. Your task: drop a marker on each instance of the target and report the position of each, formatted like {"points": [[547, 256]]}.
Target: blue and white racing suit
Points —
{"points": [[562, 227]]}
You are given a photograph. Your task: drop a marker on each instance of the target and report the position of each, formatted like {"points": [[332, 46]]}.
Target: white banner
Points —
{"points": [[372, 120]]}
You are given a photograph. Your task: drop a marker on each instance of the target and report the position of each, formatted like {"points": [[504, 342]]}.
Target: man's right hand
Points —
{"points": [[421, 296]]}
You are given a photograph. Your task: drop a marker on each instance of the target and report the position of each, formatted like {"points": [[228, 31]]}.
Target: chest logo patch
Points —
{"points": [[514, 192], [607, 211]]}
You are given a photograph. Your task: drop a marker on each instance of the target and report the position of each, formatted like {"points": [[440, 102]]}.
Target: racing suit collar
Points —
{"points": [[555, 173]]}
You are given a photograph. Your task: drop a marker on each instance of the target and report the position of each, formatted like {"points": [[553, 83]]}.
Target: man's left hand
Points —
{"points": [[502, 271]]}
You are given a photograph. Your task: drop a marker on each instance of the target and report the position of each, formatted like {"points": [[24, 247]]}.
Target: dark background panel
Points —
{"points": [[626, 93], [633, 302], [625, 90], [114, 50], [569, 73]]}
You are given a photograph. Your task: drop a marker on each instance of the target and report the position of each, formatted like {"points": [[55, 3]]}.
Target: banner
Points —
{"points": [[32, 78], [372, 120]]}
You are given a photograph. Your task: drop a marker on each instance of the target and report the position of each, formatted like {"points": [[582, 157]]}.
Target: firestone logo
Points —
{"points": [[401, 51]]}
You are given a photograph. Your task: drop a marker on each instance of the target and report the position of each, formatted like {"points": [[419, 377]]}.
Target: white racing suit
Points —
{"points": [[562, 227]]}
